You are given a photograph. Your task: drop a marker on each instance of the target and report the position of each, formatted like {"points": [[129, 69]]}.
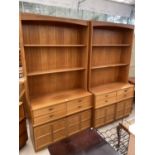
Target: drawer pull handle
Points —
{"points": [[125, 90], [50, 109], [79, 106], [80, 100]]}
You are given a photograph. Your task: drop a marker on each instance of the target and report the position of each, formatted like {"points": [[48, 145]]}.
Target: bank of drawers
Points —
{"points": [[61, 110], [113, 97], [59, 129]]}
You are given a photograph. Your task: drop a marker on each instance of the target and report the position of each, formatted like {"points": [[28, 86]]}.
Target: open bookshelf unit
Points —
{"points": [[109, 61], [55, 53]]}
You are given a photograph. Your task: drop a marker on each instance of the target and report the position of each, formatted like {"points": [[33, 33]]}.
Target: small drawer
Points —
{"points": [[99, 122], [85, 124], [73, 129], [49, 117], [50, 110], [105, 101], [59, 125], [100, 113], [42, 130], [126, 90], [43, 141], [21, 112], [59, 135], [125, 93], [74, 119], [78, 105], [86, 115], [105, 96]]}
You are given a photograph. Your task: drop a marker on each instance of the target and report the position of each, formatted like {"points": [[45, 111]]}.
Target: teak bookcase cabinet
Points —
{"points": [[55, 57], [110, 52]]}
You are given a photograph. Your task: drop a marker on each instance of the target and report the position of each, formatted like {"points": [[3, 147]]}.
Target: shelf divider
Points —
{"points": [[54, 45], [110, 45]]}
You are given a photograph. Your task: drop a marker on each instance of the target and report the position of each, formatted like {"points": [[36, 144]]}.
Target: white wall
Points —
{"points": [[101, 6]]}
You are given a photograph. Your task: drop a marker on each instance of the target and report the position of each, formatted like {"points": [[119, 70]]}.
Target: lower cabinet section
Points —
{"points": [[59, 129], [110, 113]]}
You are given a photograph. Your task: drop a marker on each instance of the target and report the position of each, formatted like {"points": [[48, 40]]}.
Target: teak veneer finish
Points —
{"points": [[55, 59], [109, 60]]}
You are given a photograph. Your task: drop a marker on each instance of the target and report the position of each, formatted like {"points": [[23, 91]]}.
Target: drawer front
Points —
{"points": [[22, 127], [21, 112], [59, 135], [110, 113], [105, 96], [125, 93], [128, 107], [99, 122], [86, 115], [72, 129], [74, 119], [105, 101], [43, 141], [78, 105], [59, 125], [42, 130], [85, 124], [50, 117], [50, 110], [120, 110]]}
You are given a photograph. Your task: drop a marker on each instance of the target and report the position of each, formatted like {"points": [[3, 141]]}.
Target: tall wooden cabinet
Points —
{"points": [[55, 57], [110, 52]]}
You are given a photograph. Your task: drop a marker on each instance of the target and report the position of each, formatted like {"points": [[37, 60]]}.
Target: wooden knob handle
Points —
{"points": [[80, 100], [50, 109], [106, 100], [79, 106], [51, 116]]}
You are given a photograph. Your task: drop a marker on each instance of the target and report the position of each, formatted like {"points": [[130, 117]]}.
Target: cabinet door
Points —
{"points": [[73, 124], [59, 130], [85, 119], [110, 113], [120, 110]]}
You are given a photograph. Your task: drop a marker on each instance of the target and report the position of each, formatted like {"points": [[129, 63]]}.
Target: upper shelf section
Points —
{"points": [[26, 17], [55, 71]]}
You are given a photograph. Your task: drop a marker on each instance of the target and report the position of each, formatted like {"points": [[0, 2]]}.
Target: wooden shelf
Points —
{"points": [[110, 65], [110, 45], [56, 45], [106, 88], [56, 98], [55, 71]]}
